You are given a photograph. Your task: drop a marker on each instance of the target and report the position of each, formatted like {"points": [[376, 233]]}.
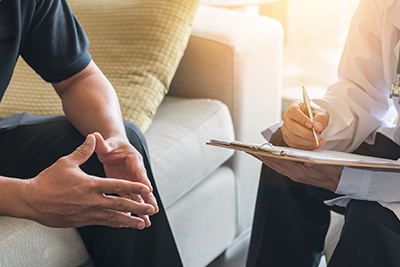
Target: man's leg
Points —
{"points": [[25, 150], [154, 246]]}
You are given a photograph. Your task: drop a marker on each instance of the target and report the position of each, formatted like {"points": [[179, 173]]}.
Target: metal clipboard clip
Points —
{"points": [[395, 88]]}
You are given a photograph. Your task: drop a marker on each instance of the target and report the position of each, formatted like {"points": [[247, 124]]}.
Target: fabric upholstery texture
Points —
{"points": [[138, 44], [177, 144], [61, 247], [212, 206]]}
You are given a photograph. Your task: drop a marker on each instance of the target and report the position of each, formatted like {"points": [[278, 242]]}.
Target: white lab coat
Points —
{"points": [[359, 103]]}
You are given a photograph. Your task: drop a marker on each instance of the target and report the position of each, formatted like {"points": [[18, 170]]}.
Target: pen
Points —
{"points": [[306, 101]]}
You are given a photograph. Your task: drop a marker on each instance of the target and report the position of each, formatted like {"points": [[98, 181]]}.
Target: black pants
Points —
{"points": [[29, 144], [291, 221]]}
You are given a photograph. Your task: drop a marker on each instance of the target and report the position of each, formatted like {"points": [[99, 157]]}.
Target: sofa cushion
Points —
{"points": [[204, 221], [26, 243], [136, 43], [177, 143]]}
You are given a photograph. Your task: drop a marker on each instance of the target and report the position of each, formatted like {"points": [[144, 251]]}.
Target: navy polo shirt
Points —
{"points": [[46, 34]]}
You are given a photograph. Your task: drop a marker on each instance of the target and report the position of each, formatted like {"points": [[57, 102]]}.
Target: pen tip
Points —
{"points": [[303, 87]]}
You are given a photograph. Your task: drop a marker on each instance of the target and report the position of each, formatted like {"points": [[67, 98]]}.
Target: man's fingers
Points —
{"points": [[146, 218], [140, 199], [84, 151], [116, 219], [117, 186], [121, 187], [150, 199], [141, 174], [101, 146], [126, 205]]}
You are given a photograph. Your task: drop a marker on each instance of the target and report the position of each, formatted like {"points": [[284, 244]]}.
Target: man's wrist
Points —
{"points": [[12, 197]]}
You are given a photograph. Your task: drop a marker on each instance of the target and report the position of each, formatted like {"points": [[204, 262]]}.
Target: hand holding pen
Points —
{"points": [[301, 131], [307, 103]]}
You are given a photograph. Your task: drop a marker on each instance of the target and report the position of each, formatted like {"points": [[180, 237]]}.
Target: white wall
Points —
{"points": [[307, 18], [315, 32]]}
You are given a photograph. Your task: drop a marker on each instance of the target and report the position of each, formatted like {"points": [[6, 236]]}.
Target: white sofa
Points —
{"points": [[228, 86]]}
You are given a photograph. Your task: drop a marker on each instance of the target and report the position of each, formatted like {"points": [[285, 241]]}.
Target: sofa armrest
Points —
{"points": [[236, 58]]}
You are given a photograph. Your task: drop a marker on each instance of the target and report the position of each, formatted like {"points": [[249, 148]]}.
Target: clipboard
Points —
{"points": [[328, 157]]}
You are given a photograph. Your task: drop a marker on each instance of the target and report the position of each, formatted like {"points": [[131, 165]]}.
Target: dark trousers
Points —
{"points": [[29, 144], [291, 222]]}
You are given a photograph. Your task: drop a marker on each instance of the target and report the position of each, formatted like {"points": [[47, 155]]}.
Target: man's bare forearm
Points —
{"points": [[91, 104]]}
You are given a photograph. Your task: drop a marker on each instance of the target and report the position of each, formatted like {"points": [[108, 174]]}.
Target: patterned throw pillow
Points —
{"points": [[137, 44]]}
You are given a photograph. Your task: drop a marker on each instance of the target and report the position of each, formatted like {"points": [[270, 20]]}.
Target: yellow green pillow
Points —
{"points": [[138, 44]]}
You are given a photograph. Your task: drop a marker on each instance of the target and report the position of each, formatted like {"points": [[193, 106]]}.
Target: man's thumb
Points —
{"points": [[102, 147], [84, 151]]}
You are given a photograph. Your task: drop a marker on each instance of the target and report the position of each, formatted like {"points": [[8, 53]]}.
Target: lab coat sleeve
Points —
{"points": [[359, 100]]}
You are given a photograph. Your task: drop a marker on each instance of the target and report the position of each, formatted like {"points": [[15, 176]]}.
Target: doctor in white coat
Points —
{"points": [[357, 114]]}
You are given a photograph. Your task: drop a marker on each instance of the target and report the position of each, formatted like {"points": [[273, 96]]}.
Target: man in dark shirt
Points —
{"points": [[47, 155]]}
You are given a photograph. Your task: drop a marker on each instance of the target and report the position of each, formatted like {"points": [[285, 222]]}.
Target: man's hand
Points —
{"points": [[91, 104], [323, 176], [296, 128], [64, 196], [121, 160]]}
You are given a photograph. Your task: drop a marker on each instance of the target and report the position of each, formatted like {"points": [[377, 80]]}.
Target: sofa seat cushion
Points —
{"points": [[201, 238], [26, 243], [177, 143]]}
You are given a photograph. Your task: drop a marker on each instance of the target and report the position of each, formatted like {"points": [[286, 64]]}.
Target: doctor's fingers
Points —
{"points": [[301, 137], [321, 120], [292, 127], [297, 112]]}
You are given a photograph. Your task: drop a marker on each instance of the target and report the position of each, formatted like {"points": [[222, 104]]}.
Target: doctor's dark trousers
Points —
{"points": [[291, 222]]}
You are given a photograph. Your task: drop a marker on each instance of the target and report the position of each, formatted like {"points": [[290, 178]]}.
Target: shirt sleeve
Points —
{"points": [[364, 184], [56, 46], [359, 101]]}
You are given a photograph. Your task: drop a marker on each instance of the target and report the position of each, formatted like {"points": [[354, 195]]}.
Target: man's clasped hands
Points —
{"points": [[64, 196]]}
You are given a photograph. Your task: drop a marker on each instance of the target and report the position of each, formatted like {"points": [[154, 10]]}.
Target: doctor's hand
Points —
{"points": [[297, 126], [64, 196], [319, 175]]}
